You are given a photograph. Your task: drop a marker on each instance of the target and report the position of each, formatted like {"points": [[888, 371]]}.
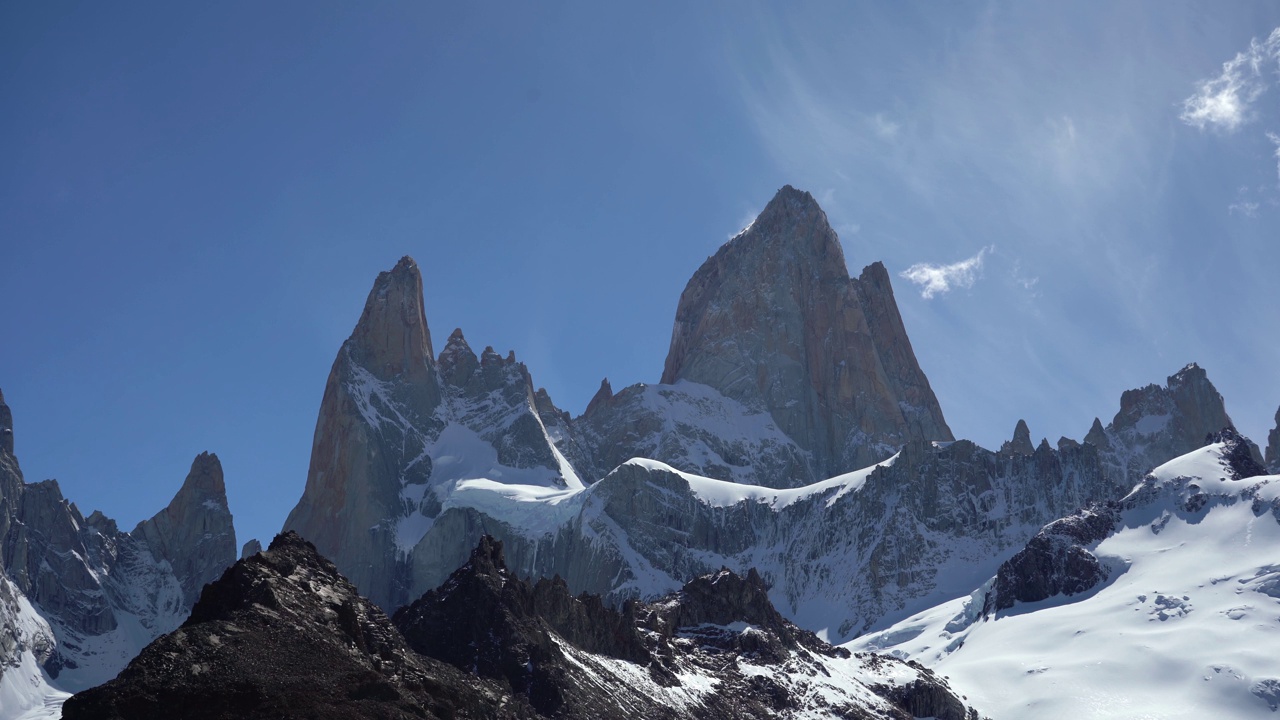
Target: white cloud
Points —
{"points": [[1225, 102], [935, 279]]}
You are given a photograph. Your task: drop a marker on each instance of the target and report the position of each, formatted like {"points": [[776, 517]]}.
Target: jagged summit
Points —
{"points": [[391, 338], [1157, 423], [602, 396], [773, 320]]}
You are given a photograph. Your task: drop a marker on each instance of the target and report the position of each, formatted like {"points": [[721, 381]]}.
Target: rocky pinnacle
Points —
{"points": [[391, 340], [774, 320], [1273, 447], [358, 454], [194, 533]]}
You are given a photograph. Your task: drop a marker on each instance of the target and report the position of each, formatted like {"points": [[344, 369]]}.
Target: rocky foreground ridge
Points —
{"points": [[283, 635]]}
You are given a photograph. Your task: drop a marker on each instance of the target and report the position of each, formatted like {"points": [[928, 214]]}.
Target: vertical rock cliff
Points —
{"points": [[774, 321], [374, 421]]}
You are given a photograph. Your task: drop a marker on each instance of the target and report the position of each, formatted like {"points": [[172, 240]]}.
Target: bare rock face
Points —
{"points": [[6, 427], [1273, 448], [194, 534], [773, 320], [392, 340]]}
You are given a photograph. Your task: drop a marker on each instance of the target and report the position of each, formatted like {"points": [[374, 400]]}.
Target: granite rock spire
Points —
{"points": [[773, 320]]}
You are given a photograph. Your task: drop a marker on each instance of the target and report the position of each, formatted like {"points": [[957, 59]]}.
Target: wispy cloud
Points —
{"points": [[936, 279], [1275, 140], [1226, 102], [884, 127], [1247, 208], [1028, 282]]}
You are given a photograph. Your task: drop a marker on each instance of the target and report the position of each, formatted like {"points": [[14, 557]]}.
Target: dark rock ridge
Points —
{"points": [[88, 579], [282, 635], [1239, 455], [1057, 561], [773, 320]]}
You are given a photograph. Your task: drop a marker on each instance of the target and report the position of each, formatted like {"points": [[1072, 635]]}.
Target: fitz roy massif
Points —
{"points": [[784, 526]]}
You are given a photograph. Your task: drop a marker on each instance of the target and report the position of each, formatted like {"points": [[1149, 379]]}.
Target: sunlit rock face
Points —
{"points": [[774, 321]]}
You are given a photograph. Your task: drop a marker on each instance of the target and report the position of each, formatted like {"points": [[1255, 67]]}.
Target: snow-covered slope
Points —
{"points": [[1185, 625], [26, 642]]}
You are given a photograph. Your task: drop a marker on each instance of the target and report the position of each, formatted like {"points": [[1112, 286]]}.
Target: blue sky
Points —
{"points": [[195, 200]]}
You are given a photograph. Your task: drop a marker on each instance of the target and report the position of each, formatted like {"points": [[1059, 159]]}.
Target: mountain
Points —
{"points": [[774, 321], [744, 456], [283, 635], [401, 432], [1162, 604], [79, 597]]}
